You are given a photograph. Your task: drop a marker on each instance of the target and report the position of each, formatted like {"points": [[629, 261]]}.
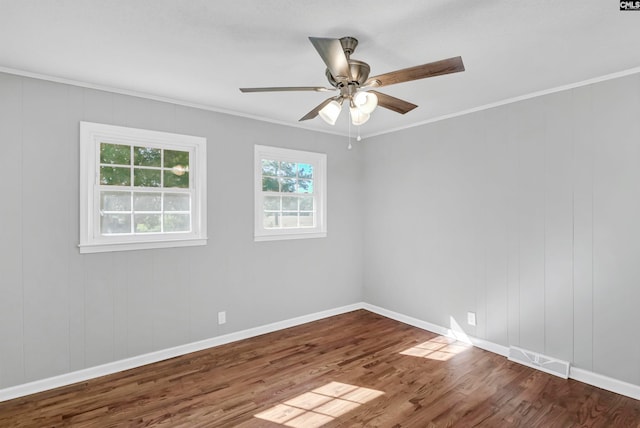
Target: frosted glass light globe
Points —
{"points": [[366, 101], [358, 117], [330, 112]]}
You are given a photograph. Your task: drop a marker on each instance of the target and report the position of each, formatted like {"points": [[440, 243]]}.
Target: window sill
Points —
{"points": [[287, 236], [130, 246]]}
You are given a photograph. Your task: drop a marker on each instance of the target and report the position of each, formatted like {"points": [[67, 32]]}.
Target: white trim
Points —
{"points": [[580, 375], [164, 354], [91, 136], [443, 331], [512, 100], [319, 163], [152, 97], [284, 237], [128, 246], [605, 382], [332, 131]]}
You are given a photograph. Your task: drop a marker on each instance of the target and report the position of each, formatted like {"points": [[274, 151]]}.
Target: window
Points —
{"points": [[140, 189], [290, 194]]}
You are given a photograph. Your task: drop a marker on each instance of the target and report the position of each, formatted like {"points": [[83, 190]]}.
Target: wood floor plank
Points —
{"points": [[354, 370]]}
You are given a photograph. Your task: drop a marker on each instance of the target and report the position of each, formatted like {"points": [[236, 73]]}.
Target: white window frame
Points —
{"points": [[319, 163], [91, 135]]}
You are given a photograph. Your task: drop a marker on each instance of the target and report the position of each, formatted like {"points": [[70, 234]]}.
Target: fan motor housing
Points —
{"points": [[359, 73]]}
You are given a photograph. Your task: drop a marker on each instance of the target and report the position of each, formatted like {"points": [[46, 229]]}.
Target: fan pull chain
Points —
{"points": [[349, 147]]}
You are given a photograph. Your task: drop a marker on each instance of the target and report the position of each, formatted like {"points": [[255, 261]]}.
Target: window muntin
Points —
{"points": [[144, 190], [141, 189], [290, 194]]}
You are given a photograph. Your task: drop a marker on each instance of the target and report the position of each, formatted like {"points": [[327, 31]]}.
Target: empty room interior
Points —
{"points": [[285, 213]]}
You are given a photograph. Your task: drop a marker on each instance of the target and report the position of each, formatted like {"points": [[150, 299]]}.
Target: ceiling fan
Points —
{"points": [[351, 78]]}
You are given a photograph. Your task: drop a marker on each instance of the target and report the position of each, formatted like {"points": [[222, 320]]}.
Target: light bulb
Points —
{"points": [[330, 112], [366, 101]]}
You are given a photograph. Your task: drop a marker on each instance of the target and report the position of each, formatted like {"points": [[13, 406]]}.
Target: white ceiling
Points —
{"points": [[201, 51]]}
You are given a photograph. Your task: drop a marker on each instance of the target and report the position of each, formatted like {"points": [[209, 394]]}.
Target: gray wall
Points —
{"points": [[61, 311], [527, 214]]}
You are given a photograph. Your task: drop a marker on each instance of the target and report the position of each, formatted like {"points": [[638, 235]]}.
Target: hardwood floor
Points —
{"points": [[353, 370]]}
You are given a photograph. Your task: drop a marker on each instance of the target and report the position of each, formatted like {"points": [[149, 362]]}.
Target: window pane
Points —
{"points": [[177, 202], [270, 184], [289, 219], [115, 223], [173, 180], [287, 169], [306, 203], [175, 158], [271, 220], [271, 203], [289, 203], [306, 220], [115, 154], [115, 201], [269, 167], [177, 222], [287, 185], [305, 170], [146, 156], [147, 223], [146, 177], [124, 203], [114, 176], [147, 202], [305, 186]]}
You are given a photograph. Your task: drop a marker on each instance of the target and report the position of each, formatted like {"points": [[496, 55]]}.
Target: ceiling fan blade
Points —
{"points": [[332, 54], [445, 66], [313, 113], [393, 103], [288, 88]]}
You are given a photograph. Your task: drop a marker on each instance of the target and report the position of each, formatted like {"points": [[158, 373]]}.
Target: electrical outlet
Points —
{"points": [[471, 318], [222, 317]]}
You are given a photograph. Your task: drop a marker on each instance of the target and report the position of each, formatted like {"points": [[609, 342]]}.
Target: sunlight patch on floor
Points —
{"points": [[320, 406], [439, 348]]}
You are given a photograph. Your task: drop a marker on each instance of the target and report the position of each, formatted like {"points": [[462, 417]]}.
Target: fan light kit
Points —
{"points": [[351, 78]]}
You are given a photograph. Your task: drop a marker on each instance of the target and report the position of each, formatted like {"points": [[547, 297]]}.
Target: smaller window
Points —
{"points": [[140, 189], [290, 194]]}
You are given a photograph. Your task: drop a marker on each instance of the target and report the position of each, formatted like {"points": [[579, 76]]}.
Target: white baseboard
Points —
{"points": [[581, 375], [479, 343], [605, 382], [164, 354]]}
